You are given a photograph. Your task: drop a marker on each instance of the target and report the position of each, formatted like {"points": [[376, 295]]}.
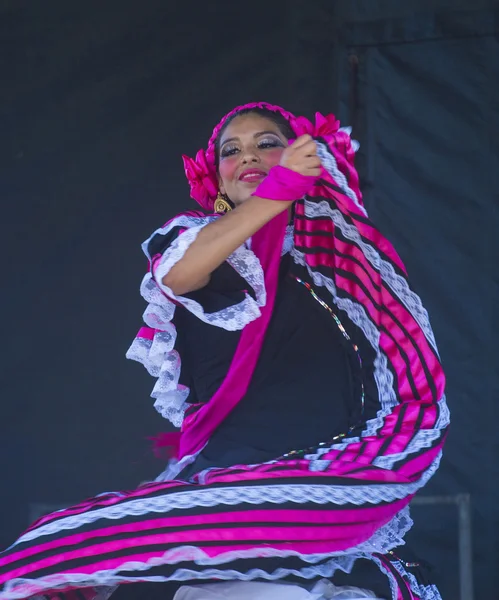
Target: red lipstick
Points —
{"points": [[252, 175]]}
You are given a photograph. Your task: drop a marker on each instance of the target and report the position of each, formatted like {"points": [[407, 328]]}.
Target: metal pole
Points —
{"points": [[465, 547], [463, 503]]}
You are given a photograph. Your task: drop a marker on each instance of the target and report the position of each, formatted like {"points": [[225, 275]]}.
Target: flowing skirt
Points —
{"points": [[303, 515]]}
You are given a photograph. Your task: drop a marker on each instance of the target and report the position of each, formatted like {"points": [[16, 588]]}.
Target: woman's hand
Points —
{"points": [[219, 239], [301, 156]]}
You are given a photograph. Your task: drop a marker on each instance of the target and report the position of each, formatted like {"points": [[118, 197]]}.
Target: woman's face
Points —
{"points": [[249, 147]]}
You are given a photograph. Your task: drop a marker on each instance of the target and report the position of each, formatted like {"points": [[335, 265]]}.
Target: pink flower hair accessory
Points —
{"points": [[201, 171], [202, 179], [325, 126]]}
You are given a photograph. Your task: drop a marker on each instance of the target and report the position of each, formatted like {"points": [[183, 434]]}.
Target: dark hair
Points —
{"points": [[283, 125]]}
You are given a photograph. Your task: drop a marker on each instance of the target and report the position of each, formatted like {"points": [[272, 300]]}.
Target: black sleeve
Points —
{"points": [[225, 288]]}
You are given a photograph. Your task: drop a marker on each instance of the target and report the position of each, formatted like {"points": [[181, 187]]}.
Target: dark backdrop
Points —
{"points": [[98, 102]]}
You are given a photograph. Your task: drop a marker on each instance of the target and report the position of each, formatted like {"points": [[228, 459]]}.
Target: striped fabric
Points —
{"points": [[307, 513]]}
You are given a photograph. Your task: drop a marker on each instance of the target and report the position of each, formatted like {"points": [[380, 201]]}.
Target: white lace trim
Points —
{"points": [[242, 260], [328, 591], [20, 588], [383, 378], [322, 590], [158, 355], [382, 375], [394, 588], [233, 496], [443, 414], [424, 592], [396, 282], [163, 362], [358, 315], [387, 537], [355, 143], [328, 161], [428, 592], [288, 243], [424, 438]]}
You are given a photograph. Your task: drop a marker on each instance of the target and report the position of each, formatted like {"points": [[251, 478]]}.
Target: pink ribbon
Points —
{"points": [[284, 184]]}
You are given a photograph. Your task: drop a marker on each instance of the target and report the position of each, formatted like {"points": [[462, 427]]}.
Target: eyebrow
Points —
{"points": [[259, 134]]}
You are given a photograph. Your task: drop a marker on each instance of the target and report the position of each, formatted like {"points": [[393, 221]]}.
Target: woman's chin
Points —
{"points": [[249, 189], [246, 195], [241, 200]]}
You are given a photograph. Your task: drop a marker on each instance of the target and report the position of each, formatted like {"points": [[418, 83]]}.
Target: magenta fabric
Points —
{"points": [[284, 184], [266, 245], [281, 184]]}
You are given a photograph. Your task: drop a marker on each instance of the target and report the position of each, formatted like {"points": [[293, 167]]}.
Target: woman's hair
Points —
{"points": [[284, 126]]}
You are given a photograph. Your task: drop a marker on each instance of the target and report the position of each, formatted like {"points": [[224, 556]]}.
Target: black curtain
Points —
{"points": [[419, 83]]}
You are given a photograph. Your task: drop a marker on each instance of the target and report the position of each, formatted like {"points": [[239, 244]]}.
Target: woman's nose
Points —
{"points": [[250, 156]]}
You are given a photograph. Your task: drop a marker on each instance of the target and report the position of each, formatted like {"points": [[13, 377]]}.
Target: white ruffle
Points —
{"points": [[358, 315], [260, 590], [287, 245], [384, 539], [242, 260], [311, 567], [425, 592], [329, 162], [15, 589], [158, 355], [162, 361]]}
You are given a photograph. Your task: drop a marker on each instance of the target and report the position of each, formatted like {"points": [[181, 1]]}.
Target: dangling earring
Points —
{"points": [[221, 204]]}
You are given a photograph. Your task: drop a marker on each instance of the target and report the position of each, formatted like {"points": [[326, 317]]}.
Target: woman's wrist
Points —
{"points": [[284, 185], [264, 205]]}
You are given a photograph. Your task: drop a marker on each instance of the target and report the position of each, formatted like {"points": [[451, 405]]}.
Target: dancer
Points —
{"points": [[300, 367]]}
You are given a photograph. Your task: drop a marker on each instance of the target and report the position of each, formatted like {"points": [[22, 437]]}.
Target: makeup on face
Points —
{"points": [[249, 148]]}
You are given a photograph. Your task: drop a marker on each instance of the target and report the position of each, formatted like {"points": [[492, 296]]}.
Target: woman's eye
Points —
{"points": [[269, 143], [229, 151]]}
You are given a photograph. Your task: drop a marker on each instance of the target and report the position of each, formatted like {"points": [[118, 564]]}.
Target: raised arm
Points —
{"points": [[218, 240]]}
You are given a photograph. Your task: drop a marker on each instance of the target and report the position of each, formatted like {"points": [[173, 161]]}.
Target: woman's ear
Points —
{"points": [[221, 186]]}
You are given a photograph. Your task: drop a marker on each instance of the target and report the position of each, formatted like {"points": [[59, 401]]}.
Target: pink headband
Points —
{"points": [[201, 171]]}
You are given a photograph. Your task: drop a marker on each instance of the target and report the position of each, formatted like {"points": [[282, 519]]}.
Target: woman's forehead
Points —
{"points": [[250, 123]]}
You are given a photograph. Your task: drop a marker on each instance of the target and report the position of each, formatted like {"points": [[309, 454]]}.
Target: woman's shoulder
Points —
{"points": [[165, 235], [190, 218]]}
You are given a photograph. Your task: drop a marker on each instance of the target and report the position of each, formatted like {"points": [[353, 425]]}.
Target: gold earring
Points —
{"points": [[221, 204]]}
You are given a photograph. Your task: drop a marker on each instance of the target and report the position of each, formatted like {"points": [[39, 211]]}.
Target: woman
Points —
{"points": [[301, 367]]}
